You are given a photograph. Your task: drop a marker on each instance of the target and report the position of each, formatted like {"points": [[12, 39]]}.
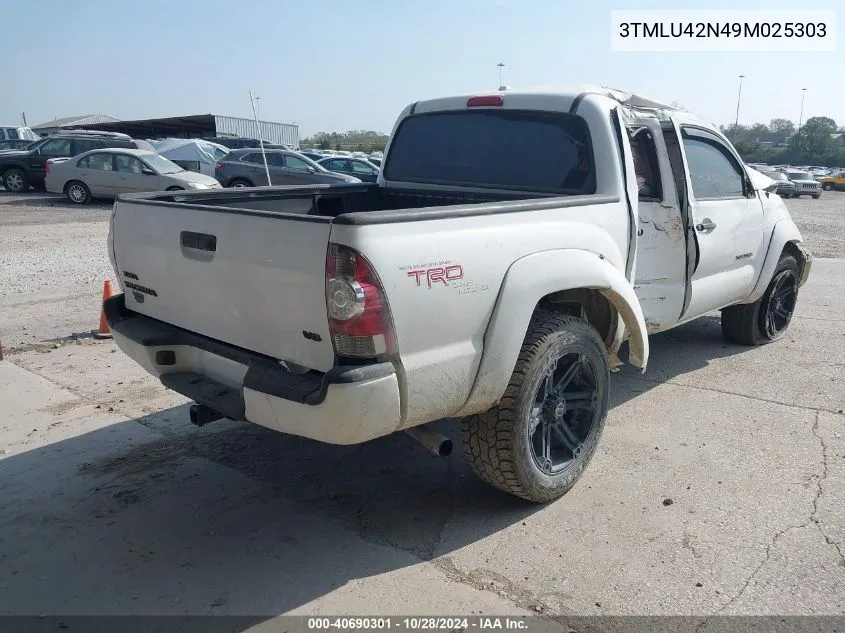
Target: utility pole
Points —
{"points": [[500, 66], [738, 96], [255, 110]]}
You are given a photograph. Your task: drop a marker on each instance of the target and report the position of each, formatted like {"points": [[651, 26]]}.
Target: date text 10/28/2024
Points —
{"points": [[418, 624]]}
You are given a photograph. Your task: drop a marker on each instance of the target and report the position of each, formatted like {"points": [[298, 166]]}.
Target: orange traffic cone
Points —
{"points": [[104, 331]]}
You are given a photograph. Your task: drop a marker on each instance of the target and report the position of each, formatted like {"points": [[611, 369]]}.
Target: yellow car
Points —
{"points": [[837, 181]]}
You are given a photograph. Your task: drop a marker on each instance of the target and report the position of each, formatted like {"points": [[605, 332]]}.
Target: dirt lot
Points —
{"points": [[113, 503]]}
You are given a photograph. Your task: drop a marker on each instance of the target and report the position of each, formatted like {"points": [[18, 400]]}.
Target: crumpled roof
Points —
{"points": [[635, 100], [621, 96]]}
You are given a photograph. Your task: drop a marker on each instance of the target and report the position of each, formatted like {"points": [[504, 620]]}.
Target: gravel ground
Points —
{"points": [[53, 259]]}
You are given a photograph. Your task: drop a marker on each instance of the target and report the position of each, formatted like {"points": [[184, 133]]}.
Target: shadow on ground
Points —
{"points": [[47, 200], [153, 516]]}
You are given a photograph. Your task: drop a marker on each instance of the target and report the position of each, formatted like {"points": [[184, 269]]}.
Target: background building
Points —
{"points": [[51, 127], [200, 126]]}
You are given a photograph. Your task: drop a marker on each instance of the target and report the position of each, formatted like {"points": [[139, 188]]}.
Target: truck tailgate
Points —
{"points": [[254, 280]]}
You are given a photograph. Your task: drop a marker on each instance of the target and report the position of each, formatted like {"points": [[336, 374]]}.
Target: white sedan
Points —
{"points": [[106, 173]]}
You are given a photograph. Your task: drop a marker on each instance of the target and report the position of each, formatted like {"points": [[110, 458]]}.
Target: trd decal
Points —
{"points": [[438, 274]]}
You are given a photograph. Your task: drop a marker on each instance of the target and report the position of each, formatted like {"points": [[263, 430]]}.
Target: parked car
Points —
{"points": [[785, 187], [245, 168], [375, 161], [111, 172], [315, 156], [462, 285], [21, 169], [358, 167], [805, 184], [14, 132], [834, 182], [15, 143]]}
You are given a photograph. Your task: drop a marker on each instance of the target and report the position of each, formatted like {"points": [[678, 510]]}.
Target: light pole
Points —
{"points": [[500, 66], [255, 108], [738, 96], [801, 116]]}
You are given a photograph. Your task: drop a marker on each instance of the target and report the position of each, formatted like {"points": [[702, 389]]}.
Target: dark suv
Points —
{"points": [[20, 170]]}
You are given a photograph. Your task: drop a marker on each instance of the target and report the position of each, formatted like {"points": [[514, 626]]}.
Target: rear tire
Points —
{"points": [[537, 441], [78, 192], [16, 180], [767, 319], [240, 183], [827, 186]]}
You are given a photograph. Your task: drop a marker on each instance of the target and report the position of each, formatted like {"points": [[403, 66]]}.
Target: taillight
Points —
{"points": [[487, 100], [47, 166], [359, 317], [220, 165]]}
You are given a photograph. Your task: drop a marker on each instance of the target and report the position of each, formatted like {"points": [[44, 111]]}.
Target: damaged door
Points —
{"points": [[660, 280], [726, 219]]}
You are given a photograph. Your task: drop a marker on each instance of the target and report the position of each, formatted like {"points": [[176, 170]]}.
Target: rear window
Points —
{"points": [[501, 149]]}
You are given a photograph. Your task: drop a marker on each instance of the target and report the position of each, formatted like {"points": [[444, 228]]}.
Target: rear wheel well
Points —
{"points": [[587, 304], [6, 168]]}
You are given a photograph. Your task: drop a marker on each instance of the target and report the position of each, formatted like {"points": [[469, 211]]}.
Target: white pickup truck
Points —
{"points": [[513, 243]]}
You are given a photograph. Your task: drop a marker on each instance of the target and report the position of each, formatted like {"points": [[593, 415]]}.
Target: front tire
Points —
{"points": [[817, 196], [767, 319], [537, 441], [240, 183], [827, 186], [16, 181], [78, 192]]}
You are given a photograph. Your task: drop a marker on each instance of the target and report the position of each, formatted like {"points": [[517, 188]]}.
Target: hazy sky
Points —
{"points": [[336, 65]]}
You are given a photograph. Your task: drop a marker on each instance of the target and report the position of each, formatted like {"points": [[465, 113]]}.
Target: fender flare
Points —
{"points": [[783, 233], [528, 280]]}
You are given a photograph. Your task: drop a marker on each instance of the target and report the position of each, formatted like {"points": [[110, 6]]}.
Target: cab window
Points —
{"points": [[713, 170], [646, 166]]}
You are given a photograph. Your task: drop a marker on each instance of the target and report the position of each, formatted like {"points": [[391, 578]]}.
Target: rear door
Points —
{"points": [[726, 218], [97, 171], [251, 166], [254, 279], [660, 273]]}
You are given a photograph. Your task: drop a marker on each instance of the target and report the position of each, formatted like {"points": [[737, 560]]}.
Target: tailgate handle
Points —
{"points": [[199, 241]]}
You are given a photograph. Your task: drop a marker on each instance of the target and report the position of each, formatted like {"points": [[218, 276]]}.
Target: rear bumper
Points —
{"points": [[346, 405]]}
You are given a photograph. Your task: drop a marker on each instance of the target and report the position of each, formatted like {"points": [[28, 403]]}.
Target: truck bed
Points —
{"points": [[329, 201]]}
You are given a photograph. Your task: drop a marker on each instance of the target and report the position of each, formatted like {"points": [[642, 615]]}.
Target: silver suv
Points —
{"points": [[805, 184]]}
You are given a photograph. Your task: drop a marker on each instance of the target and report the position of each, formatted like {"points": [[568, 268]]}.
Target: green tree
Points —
{"points": [[759, 132], [780, 129], [814, 140]]}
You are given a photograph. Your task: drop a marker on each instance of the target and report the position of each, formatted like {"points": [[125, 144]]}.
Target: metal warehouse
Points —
{"points": [[202, 126]]}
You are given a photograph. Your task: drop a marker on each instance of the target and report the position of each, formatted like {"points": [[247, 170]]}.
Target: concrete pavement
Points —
{"points": [[113, 503]]}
